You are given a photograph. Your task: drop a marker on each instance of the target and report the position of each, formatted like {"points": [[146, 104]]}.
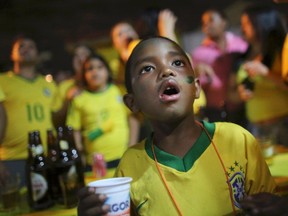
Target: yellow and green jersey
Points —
{"points": [[27, 104], [2, 96], [269, 101], [197, 181], [102, 114], [60, 96]]}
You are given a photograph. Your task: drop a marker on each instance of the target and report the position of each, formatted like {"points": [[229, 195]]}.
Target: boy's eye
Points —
{"points": [[146, 69], [178, 63]]}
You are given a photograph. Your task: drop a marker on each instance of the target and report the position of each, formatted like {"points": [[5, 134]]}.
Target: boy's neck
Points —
{"points": [[177, 140]]}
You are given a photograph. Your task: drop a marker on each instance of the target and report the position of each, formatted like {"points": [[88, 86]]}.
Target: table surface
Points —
{"points": [[278, 169]]}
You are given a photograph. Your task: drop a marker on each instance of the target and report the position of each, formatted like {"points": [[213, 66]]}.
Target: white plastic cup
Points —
{"points": [[117, 191]]}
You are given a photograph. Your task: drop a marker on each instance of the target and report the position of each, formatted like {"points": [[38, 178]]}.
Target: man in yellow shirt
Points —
{"points": [[26, 100]]}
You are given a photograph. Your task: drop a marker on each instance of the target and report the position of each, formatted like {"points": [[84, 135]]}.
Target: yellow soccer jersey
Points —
{"points": [[27, 105], [269, 101], [60, 96], [199, 103], [105, 112], [198, 181], [2, 96]]}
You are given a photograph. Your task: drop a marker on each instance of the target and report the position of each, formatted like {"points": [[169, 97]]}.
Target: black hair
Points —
{"points": [[270, 30], [103, 60], [131, 58], [22, 36]]}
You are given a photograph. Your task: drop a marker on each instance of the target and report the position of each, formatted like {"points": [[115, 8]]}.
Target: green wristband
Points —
{"points": [[95, 134]]}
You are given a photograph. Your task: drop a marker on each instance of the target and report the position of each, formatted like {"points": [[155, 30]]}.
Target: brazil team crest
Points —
{"points": [[237, 182], [47, 92]]}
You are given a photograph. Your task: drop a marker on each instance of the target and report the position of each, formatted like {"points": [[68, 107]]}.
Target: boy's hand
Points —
{"points": [[265, 204], [91, 204]]}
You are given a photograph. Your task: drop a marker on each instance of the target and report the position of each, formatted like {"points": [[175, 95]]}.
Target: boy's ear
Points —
{"points": [[130, 103], [197, 87]]}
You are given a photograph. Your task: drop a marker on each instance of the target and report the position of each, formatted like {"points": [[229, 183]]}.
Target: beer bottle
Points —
{"points": [[36, 171], [52, 158], [66, 170], [75, 156]]}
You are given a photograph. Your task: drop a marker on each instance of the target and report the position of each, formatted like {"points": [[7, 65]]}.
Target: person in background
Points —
{"points": [[27, 104], [267, 203], [98, 115], [198, 168], [261, 83], [214, 61], [69, 88], [124, 38]]}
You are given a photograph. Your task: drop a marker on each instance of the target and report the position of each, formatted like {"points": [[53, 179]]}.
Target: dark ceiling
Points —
{"points": [[58, 22]]}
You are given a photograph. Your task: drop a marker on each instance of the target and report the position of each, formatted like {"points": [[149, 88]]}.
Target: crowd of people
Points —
{"points": [[144, 111]]}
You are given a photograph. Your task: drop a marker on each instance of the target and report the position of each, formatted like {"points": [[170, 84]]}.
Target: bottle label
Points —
{"points": [[37, 150], [39, 186], [64, 145]]}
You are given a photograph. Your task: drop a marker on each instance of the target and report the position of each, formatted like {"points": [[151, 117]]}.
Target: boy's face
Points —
{"points": [[163, 83]]}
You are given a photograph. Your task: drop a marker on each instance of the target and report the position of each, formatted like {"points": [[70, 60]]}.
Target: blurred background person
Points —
{"points": [[27, 103], [214, 61], [266, 203], [261, 82], [98, 115], [69, 88]]}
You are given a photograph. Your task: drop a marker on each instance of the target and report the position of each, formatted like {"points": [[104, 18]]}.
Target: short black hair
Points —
{"points": [[128, 80], [23, 36]]}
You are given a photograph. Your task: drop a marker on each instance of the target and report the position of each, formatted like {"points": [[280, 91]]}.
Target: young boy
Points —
{"points": [[185, 167]]}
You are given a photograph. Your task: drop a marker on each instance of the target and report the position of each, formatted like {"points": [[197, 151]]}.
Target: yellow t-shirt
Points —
{"points": [[105, 111], [199, 103], [269, 101], [197, 182], [2, 96], [27, 106], [60, 96]]}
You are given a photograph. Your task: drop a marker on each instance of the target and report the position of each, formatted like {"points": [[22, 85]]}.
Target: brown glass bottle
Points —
{"points": [[52, 158], [66, 170], [37, 173], [75, 156]]}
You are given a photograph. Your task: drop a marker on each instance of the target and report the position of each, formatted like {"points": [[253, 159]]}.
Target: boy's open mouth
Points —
{"points": [[169, 91]]}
